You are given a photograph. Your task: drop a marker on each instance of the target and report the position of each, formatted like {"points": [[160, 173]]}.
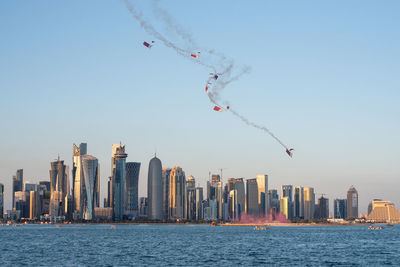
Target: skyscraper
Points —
{"points": [[274, 201], [59, 188], [252, 197], [240, 196], [287, 191], [77, 177], [90, 198], [298, 202], [132, 190], [199, 203], [285, 205], [190, 197], [155, 190], [177, 190], [352, 203], [262, 183], [119, 181], [339, 207], [309, 203], [18, 181], [323, 208], [1, 201], [165, 179]]}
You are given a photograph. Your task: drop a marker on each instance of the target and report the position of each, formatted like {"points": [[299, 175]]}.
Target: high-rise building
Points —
{"points": [[132, 189], [352, 203], [285, 205], [298, 202], [143, 204], [190, 199], [323, 208], [339, 208], [287, 191], [217, 188], [155, 190], [165, 179], [18, 181], [77, 177], [309, 203], [59, 188], [262, 183], [240, 196], [34, 205], [177, 184], [199, 203], [119, 181], [109, 193], [234, 206], [274, 201], [252, 197], [90, 197], [1, 201]]}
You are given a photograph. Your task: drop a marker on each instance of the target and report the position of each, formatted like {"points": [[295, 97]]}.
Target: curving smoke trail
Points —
{"points": [[262, 128], [227, 73]]}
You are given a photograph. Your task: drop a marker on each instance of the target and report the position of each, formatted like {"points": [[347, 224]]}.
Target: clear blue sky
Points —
{"points": [[325, 79]]}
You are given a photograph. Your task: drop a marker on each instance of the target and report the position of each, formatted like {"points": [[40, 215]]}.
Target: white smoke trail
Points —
{"points": [[225, 77]]}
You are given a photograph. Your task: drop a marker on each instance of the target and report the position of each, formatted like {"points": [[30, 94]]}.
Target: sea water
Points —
{"points": [[197, 245]]}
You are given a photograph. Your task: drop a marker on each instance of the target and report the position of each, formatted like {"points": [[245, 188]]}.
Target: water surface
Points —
{"points": [[194, 245]]}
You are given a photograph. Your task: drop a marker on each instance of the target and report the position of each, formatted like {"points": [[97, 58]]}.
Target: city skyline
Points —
{"points": [[285, 189], [323, 77]]}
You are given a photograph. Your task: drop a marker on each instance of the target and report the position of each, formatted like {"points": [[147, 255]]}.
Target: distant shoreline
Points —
{"points": [[191, 224]]}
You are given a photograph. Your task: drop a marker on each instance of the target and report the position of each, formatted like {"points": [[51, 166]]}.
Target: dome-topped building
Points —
{"points": [[155, 189]]}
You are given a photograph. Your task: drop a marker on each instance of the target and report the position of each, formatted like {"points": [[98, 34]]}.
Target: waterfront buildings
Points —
{"points": [[262, 184], [86, 184], [199, 203], [384, 211], [252, 197], [339, 208], [274, 202], [132, 189], [352, 203], [90, 196], [143, 207], [17, 184], [322, 212], [165, 180], [190, 197], [176, 199], [298, 202], [59, 188], [78, 188], [119, 181], [309, 203], [287, 191], [285, 206], [155, 190]]}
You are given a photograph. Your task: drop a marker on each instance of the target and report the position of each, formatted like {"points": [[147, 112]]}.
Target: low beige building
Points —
{"points": [[384, 211]]}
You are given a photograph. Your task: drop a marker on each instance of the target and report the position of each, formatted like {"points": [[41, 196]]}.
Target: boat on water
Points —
{"points": [[113, 227], [375, 227], [214, 224], [58, 225], [389, 224], [260, 227]]}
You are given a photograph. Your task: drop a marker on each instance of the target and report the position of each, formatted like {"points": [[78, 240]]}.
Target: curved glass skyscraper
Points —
{"points": [[131, 192], [90, 174], [155, 190]]}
